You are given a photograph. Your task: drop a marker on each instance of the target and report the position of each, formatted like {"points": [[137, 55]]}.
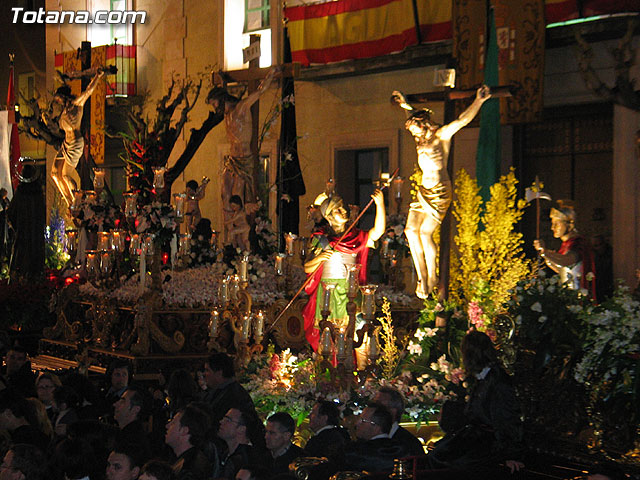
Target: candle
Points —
{"points": [[374, 350], [92, 263], [353, 272], [105, 262], [396, 187], [214, 321], [368, 299], [328, 289], [290, 239], [98, 179], [325, 342], [134, 245], [303, 248], [158, 177], [235, 287], [224, 291], [178, 200], [243, 268], [385, 247], [117, 240], [280, 263], [104, 241], [71, 240], [147, 244], [258, 327], [75, 206], [214, 238], [90, 195], [340, 342], [246, 327], [185, 241], [130, 204]]}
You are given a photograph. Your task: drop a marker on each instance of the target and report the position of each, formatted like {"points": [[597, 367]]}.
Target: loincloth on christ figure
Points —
{"points": [[71, 151], [433, 201]]}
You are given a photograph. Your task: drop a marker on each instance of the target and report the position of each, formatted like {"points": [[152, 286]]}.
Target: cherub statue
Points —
{"points": [[195, 193]]}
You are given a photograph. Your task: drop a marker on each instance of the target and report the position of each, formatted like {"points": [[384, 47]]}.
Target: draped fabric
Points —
{"points": [[520, 39], [354, 242], [349, 29]]}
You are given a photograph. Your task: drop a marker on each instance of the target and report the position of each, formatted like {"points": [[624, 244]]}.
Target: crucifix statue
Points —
{"points": [[240, 178], [433, 145]]}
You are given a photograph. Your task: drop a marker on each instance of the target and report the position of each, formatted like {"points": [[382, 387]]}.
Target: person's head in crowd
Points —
{"points": [[74, 458], [279, 432], [157, 470], [65, 398], [15, 411], [393, 400], [16, 358], [322, 414], [3, 193], [124, 463], [234, 427], [119, 374], [218, 369], [46, 384], [253, 472], [182, 387], [133, 405], [188, 428], [23, 462], [42, 419], [478, 352], [374, 420]]}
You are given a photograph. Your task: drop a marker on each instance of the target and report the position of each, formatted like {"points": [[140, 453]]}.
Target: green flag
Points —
{"points": [[488, 154]]}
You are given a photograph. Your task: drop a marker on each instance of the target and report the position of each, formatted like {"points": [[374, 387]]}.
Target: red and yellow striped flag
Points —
{"points": [[350, 29]]}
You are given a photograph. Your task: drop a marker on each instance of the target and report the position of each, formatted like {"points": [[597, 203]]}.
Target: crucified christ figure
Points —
{"points": [[69, 111], [434, 192]]}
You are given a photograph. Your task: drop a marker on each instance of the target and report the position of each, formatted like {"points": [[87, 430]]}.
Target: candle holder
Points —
{"points": [[158, 179], [92, 264], [179, 200], [98, 179], [327, 292], [368, 301], [223, 295], [243, 271], [104, 241], [71, 243], [290, 239], [304, 248], [130, 204], [396, 191]]}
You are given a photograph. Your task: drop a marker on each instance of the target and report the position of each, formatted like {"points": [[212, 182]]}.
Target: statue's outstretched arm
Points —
{"points": [[84, 96], [399, 98], [253, 97], [380, 222], [482, 95]]}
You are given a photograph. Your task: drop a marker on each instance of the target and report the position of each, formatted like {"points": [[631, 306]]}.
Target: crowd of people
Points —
{"points": [[62, 426]]}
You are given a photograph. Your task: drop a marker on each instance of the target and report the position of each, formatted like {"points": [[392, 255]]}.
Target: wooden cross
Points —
{"points": [[252, 77]]}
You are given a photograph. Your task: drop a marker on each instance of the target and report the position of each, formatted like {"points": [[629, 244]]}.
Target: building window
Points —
{"points": [[106, 34], [256, 15]]}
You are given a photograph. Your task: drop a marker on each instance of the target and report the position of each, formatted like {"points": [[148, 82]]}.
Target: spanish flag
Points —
{"points": [[350, 29]]}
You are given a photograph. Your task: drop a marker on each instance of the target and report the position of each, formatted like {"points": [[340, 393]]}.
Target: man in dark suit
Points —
{"points": [[328, 436], [185, 433], [223, 390], [374, 451], [393, 400], [129, 412], [278, 434]]}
